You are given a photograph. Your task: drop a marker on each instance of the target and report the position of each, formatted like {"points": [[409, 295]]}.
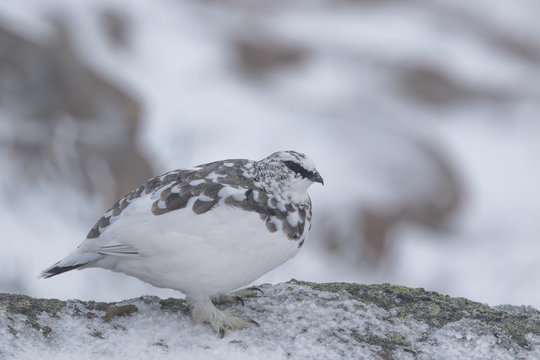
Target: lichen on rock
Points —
{"points": [[299, 320]]}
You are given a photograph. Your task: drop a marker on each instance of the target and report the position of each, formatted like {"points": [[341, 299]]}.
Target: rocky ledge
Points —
{"points": [[299, 320]]}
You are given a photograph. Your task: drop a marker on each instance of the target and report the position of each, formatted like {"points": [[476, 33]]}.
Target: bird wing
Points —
{"points": [[172, 191], [173, 202], [118, 249]]}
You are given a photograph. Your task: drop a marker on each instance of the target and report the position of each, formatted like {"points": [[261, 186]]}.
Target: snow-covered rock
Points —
{"points": [[298, 320]]}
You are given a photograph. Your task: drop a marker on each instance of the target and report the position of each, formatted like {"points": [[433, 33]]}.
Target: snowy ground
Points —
{"points": [[200, 107], [297, 321]]}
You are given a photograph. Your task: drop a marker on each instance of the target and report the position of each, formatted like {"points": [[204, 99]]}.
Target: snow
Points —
{"points": [[341, 106], [296, 321], [161, 337]]}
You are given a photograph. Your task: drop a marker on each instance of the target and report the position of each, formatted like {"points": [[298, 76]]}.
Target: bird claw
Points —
{"points": [[237, 297], [248, 292], [230, 323], [224, 321], [254, 288]]}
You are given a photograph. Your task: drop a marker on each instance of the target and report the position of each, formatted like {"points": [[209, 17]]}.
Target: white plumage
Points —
{"points": [[205, 231]]}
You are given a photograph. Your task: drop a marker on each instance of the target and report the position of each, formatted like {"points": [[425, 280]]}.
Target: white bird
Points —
{"points": [[205, 231]]}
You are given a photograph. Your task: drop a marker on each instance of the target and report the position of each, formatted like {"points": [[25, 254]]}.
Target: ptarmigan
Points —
{"points": [[205, 231]]}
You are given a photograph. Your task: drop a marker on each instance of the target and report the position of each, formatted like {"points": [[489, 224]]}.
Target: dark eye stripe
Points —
{"points": [[297, 168]]}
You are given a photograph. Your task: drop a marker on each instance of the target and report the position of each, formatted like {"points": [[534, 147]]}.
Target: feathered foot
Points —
{"points": [[237, 297], [203, 310]]}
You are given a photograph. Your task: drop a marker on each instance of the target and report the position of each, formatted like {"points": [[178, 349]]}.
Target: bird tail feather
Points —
{"points": [[57, 269], [73, 261]]}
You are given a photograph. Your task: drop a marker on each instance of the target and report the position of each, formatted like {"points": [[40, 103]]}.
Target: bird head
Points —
{"points": [[287, 171]]}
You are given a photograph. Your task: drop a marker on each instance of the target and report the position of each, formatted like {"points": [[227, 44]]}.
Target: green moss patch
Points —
{"points": [[434, 309]]}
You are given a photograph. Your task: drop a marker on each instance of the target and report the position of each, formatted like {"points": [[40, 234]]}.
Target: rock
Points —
{"points": [[258, 53], [432, 87], [116, 27], [68, 123], [298, 320], [422, 189]]}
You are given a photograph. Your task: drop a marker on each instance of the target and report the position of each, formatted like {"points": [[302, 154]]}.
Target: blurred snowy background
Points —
{"points": [[423, 117]]}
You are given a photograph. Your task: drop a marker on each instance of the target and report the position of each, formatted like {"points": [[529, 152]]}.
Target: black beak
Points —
{"points": [[316, 177]]}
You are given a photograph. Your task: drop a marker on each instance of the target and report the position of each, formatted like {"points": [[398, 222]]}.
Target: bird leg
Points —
{"points": [[237, 297], [204, 311]]}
